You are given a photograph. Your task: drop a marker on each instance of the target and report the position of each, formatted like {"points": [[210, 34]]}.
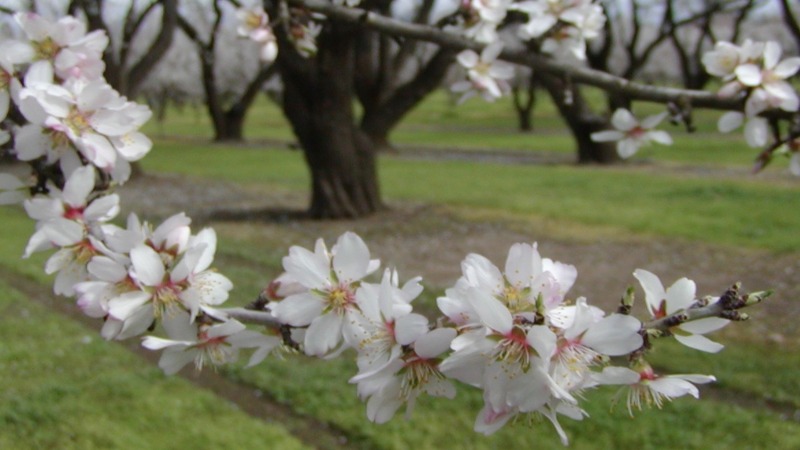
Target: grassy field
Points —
{"points": [[64, 388]]}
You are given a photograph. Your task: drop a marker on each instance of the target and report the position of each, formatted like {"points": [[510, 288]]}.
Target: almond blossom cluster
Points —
{"points": [[302, 32], [512, 333], [753, 70]]}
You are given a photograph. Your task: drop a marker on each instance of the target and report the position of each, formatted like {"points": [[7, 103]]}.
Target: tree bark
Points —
{"points": [[581, 121], [317, 101]]}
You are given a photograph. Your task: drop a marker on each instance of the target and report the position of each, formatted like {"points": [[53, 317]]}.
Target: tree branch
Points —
{"points": [[581, 75], [727, 307]]}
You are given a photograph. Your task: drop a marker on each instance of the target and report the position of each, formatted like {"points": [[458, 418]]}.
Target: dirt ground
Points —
{"points": [[431, 241]]}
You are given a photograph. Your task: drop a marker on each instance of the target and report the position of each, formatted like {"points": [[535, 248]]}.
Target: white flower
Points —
{"points": [[332, 279], [385, 322], [486, 75], [91, 115], [756, 129], [64, 44], [12, 189], [527, 279], [401, 380], [723, 60], [676, 298], [646, 388], [631, 134], [200, 343]]}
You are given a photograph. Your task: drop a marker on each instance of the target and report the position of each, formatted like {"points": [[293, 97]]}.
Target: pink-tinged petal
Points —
{"points": [[699, 342], [212, 288], [780, 90], [623, 120], [492, 313], [730, 121], [63, 232], [137, 323], [409, 328], [309, 269], [490, 421], [673, 387], [756, 132], [787, 67], [520, 264], [173, 361], [794, 165], [565, 274], [39, 72], [106, 269], [653, 289], [695, 378], [207, 240], [680, 295], [147, 265], [178, 326], [615, 335], [157, 343], [298, 310], [435, 342], [30, 142], [124, 305], [323, 335], [500, 70], [350, 258], [102, 209], [661, 137], [492, 51], [78, 187], [651, 121], [383, 406], [704, 326], [227, 328], [627, 148], [543, 340], [44, 208], [132, 146], [468, 59], [607, 136], [481, 273], [749, 75], [772, 54], [98, 150]]}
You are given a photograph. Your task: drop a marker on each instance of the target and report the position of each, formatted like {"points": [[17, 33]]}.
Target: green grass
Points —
{"points": [[748, 212], [63, 387], [438, 123]]}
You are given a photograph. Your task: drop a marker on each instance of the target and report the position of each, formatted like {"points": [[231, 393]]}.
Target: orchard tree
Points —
{"points": [[211, 26], [127, 65], [510, 332]]}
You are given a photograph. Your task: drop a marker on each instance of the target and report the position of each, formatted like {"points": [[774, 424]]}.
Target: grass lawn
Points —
{"points": [[66, 389]]}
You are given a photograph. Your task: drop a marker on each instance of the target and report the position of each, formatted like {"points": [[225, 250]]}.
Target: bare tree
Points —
{"points": [[226, 104], [126, 70]]}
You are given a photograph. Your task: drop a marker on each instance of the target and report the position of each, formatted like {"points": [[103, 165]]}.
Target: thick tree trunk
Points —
{"points": [[581, 121], [318, 95]]}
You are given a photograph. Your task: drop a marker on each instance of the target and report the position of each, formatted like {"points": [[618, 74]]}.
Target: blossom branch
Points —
{"points": [[252, 316], [519, 55], [727, 307]]}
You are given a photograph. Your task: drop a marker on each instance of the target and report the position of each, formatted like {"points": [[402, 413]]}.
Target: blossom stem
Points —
{"points": [[727, 308], [251, 316]]}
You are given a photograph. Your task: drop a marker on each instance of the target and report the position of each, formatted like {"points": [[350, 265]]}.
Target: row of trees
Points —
{"points": [[387, 75]]}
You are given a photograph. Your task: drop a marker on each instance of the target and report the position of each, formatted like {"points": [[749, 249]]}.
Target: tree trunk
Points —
{"points": [[581, 121], [318, 102], [524, 96]]}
